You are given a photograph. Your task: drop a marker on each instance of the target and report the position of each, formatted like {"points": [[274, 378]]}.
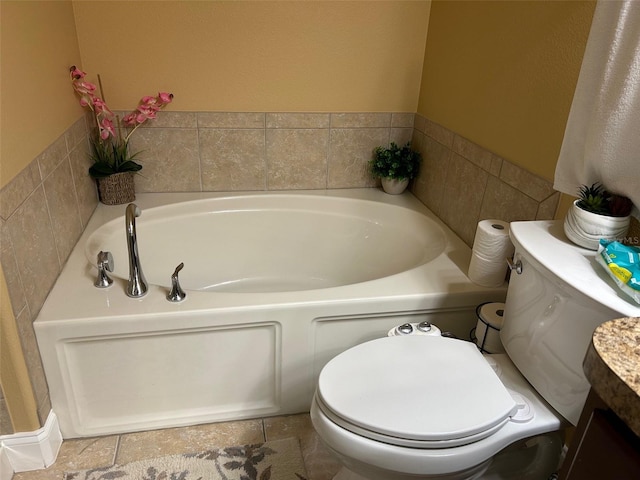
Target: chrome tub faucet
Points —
{"points": [[137, 285]]}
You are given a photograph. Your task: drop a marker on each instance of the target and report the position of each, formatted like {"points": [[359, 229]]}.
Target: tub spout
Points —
{"points": [[137, 286]]}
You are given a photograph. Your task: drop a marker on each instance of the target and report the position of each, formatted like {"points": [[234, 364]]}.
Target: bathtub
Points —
{"points": [[277, 284]]}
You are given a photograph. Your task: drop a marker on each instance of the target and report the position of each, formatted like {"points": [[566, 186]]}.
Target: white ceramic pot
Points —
{"points": [[586, 228], [394, 186]]}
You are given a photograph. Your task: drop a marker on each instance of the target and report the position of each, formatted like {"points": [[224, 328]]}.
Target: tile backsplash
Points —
{"points": [[207, 151], [45, 208], [464, 183]]}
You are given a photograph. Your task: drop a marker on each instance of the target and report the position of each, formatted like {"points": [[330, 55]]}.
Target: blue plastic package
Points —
{"points": [[622, 263]]}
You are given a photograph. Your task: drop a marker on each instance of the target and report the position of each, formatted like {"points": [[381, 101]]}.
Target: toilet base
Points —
{"points": [[345, 474], [536, 458]]}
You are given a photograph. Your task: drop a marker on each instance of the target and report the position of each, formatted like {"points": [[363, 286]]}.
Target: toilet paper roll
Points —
{"points": [[491, 248], [492, 240], [487, 272], [492, 314], [490, 318]]}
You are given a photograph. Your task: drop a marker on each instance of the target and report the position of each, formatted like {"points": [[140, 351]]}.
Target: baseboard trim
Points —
{"points": [[6, 470], [26, 451]]}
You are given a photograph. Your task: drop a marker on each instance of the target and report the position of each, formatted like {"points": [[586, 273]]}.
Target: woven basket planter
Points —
{"points": [[117, 189]]}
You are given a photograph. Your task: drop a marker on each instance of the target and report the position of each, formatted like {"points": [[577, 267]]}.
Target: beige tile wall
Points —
{"points": [[45, 208], [463, 183], [43, 212], [208, 151]]}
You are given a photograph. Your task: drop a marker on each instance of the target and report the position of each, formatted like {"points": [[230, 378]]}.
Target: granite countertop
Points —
{"points": [[612, 366]]}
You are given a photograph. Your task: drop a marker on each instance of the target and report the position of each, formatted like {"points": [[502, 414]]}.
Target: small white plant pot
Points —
{"points": [[394, 186], [586, 228]]}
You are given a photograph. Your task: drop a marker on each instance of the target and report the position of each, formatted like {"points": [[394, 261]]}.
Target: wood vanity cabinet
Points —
{"points": [[603, 447]]}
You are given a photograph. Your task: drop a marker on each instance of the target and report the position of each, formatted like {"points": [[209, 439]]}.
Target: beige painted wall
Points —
{"points": [[213, 55], [502, 74], [37, 44], [256, 55]]}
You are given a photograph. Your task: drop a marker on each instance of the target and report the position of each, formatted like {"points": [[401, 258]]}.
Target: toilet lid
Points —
{"points": [[415, 390]]}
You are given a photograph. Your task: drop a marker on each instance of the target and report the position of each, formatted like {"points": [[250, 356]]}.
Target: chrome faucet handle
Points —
{"points": [[176, 294], [105, 264]]}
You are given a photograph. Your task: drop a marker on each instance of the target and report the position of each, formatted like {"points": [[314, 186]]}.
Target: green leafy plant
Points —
{"points": [[594, 198], [110, 158], [395, 162], [597, 199]]}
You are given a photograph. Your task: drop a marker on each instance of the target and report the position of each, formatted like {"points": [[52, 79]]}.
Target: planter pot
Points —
{"points": [[117, 189], [394, 186], [586, 228]]}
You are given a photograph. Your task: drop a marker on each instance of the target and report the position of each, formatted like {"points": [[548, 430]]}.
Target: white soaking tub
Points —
{"points": [[277, 284]]}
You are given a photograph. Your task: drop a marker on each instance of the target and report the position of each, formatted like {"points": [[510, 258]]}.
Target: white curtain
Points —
{"points": [[602, 138]]}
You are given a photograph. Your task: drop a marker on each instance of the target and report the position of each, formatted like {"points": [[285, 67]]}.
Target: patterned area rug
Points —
{"points": [[276, 460]]}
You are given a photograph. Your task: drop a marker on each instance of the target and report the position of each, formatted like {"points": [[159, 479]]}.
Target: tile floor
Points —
{"points": [[79, 454]]}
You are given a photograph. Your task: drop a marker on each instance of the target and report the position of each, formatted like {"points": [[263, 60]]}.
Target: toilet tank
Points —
{"points": [[552, 308]]}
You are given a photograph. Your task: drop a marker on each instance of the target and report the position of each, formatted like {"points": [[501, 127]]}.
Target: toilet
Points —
{"points": [[428, 406]]}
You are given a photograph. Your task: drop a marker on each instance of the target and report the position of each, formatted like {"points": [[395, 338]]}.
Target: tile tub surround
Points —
{"points": [[209, 151], [45, 208], [463, 183], [43, 212]]}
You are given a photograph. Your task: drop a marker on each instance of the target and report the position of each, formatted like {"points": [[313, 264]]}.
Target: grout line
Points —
{"points": [[116, 450]]}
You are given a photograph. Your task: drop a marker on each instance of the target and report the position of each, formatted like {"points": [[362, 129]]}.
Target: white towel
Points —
{"points": [[602, 138]]}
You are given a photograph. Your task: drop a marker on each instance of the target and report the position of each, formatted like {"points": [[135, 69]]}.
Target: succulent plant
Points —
{"points": [[597, 199], [594, 198]]}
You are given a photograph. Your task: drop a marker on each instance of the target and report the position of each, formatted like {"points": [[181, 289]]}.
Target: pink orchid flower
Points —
{"points": [[130, 119], [76, 74], [86, 88], [106, 128], [143, 117], [101, 107], [165, 97], [86, 101], [146, 110], [149, 101]]}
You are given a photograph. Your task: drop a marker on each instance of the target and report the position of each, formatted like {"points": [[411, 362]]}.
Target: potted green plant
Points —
{"points": [[596, 214], [113, 165], [395, 166]]}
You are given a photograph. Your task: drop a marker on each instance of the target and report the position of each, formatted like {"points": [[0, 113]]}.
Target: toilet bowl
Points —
{"points": [[418, 406], [372, 402]]}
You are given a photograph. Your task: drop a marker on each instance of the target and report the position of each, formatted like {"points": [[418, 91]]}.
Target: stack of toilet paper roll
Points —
{"points": [[491, 248]]}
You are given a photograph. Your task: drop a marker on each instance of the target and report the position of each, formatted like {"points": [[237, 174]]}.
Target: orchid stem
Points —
{"points": [[101, 91]]}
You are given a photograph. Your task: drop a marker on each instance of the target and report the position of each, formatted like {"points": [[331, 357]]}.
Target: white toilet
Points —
{"points": [[415, 406]]}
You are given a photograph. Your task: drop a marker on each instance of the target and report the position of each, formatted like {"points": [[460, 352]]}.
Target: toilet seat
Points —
{"points": [[421, 392]]}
